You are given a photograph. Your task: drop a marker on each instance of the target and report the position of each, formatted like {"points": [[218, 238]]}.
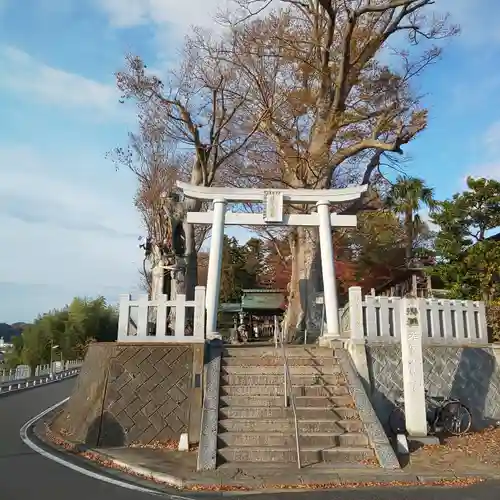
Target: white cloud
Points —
{"points": [[488, 170], [477, 18], [180, 15], [425, 216], [492, 138], [21, 73], [58, 232]]}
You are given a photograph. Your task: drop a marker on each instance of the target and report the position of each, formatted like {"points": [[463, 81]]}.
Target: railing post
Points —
{"points": [[481, 322], [356, 343], [123, 317], [356, 312], [161, 317], [199, 313], [180, 317], [142, 316]]}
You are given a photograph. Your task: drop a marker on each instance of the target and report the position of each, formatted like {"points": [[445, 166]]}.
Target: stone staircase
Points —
{"points": [[255, 427]]}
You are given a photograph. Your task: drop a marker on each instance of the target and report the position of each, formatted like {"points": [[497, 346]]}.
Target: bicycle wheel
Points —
{"points": [[456, 418], [397, 421]]}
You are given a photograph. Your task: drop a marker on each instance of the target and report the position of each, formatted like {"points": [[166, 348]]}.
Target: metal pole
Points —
{"points": [[51, 351]]}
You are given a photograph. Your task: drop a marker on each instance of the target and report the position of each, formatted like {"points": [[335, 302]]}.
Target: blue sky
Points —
{"points": [[66, 216]]}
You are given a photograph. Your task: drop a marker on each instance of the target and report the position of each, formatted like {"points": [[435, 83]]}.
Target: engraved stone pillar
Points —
{"points": [[413, 368]]}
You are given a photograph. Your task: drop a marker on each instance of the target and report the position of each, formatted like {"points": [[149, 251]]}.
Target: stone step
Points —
{"points": [[302, 413], [327, 369], [287, 425], [270, 351], [276, 361], [287, 455], [322, 401], [339, 389], [278, 401], [319, 473], [257, 439], [277, 379]]}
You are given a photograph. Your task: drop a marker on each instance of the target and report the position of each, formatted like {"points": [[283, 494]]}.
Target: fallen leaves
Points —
{"points": [[479, 444], [111, 464], [369, 462], [459, 451], [170, 445], [157, 445], [455, 483]]}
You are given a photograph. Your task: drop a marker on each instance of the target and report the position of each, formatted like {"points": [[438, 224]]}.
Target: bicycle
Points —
{"points": [[450, 415]]}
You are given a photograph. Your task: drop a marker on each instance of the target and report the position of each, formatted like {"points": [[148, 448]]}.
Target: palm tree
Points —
{"points": [[405, 198]]}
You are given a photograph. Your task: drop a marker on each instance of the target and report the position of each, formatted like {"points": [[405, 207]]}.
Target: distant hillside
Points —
{"points": [[8, 331]]}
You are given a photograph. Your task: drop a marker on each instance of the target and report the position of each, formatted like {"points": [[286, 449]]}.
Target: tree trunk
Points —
{"points": [[306, 282], [187, 277], [190, 254], [409, 237]]}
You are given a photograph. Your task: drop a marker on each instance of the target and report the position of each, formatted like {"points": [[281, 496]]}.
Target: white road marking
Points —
{"points": [[95, 475]]}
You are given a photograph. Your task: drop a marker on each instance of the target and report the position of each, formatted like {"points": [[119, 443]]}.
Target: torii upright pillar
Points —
{"points": [[215, 266], [331, 302]]}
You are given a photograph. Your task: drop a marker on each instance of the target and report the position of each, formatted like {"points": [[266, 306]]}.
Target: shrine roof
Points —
{"points": [[263, 300], [230, 307]]}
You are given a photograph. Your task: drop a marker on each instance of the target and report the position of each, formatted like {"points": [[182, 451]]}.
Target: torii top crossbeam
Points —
{"points": [[259, 194]]}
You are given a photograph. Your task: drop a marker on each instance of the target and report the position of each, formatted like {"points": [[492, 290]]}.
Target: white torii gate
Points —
{"points": [[273, 215]]}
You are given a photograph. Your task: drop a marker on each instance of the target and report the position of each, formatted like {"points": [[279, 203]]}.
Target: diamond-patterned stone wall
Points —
{"points": [[128, 394], [147, 394], [468, 373]]}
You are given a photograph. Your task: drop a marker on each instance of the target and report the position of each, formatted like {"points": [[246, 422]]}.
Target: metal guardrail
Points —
{"points": [[20, 385], [289, 396]]}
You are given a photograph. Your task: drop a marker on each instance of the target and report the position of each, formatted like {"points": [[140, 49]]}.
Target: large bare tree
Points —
{"points": [[154, 161], [197, 110], [330, 98]]}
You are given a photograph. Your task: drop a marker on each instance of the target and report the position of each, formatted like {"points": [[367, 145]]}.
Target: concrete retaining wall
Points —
{"points": [[471, 374], [135, 394]]}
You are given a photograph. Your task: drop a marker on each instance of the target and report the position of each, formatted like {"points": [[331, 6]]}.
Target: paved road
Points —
{"points": [[25, 474]]}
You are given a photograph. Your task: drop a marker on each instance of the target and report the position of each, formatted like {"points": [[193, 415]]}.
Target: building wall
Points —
{"points": [[471, 374]]}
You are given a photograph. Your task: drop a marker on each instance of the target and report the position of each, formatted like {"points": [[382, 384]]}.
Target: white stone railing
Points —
{"points": [[42, 370], [23, 372], [75, 363], [145, 320], [444, 321]]}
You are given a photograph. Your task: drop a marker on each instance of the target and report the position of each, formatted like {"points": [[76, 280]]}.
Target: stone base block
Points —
{"points": [[423, 440]]}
